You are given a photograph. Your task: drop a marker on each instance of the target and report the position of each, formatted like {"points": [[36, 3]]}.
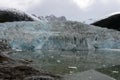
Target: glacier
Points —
{"points": [[68, 35]]}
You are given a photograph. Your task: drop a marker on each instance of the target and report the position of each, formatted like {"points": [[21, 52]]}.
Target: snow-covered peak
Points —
{"points": [[115, 13], [111, 21], [106, 16], [53, 18], [10, 14]]}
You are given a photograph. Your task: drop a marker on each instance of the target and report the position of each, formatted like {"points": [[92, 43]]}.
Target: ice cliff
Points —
{"points": [[66, 35]]}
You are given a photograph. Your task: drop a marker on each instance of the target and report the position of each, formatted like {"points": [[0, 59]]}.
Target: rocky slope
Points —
{"points": [[10, 15], [111, 22], [11, 69], [24, 73]]}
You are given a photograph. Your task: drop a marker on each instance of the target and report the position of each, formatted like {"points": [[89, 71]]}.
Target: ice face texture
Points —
{"points": [[66, 35]]}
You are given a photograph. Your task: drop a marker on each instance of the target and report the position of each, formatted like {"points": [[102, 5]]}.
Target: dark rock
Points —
{"points": [[39, 78], [4, 45], [4, 58], [112, 22], [24, 73]]}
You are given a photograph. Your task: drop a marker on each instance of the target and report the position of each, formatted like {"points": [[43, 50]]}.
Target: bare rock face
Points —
{"points": [[112, 22]]}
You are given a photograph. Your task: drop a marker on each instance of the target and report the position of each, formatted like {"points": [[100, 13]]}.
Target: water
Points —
{"points": [[68, 62]]}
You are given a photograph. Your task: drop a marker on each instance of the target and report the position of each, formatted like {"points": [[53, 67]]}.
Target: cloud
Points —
{"points": [[19, 4], [83, 4], [79, 10]]}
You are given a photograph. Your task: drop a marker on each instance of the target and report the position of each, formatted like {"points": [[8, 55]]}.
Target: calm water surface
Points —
{"points": [[67, 62]]}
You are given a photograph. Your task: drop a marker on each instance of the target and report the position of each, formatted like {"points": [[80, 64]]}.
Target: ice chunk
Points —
{"points": [[72, 67]]}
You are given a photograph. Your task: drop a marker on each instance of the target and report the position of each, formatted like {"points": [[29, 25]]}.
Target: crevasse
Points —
{"points": [[66, 35]]}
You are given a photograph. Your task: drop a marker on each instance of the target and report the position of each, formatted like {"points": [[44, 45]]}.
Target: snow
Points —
{"points": [[114, 13], [34, 18], [102, 17], [15, 11]]}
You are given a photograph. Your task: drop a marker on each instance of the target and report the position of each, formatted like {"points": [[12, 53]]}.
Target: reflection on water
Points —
{"points": [[113, 71], [65, 62]]}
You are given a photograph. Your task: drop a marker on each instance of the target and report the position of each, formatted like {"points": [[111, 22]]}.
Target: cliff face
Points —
{"points": [[112, 22], [58, 36]]}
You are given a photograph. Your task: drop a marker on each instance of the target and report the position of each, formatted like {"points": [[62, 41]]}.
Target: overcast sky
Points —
{"points": [[80, 10]]}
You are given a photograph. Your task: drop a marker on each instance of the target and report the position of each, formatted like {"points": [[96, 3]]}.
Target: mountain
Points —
{"points": [[52, 18], [10, 15], [111, 22], [56, 33]]}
